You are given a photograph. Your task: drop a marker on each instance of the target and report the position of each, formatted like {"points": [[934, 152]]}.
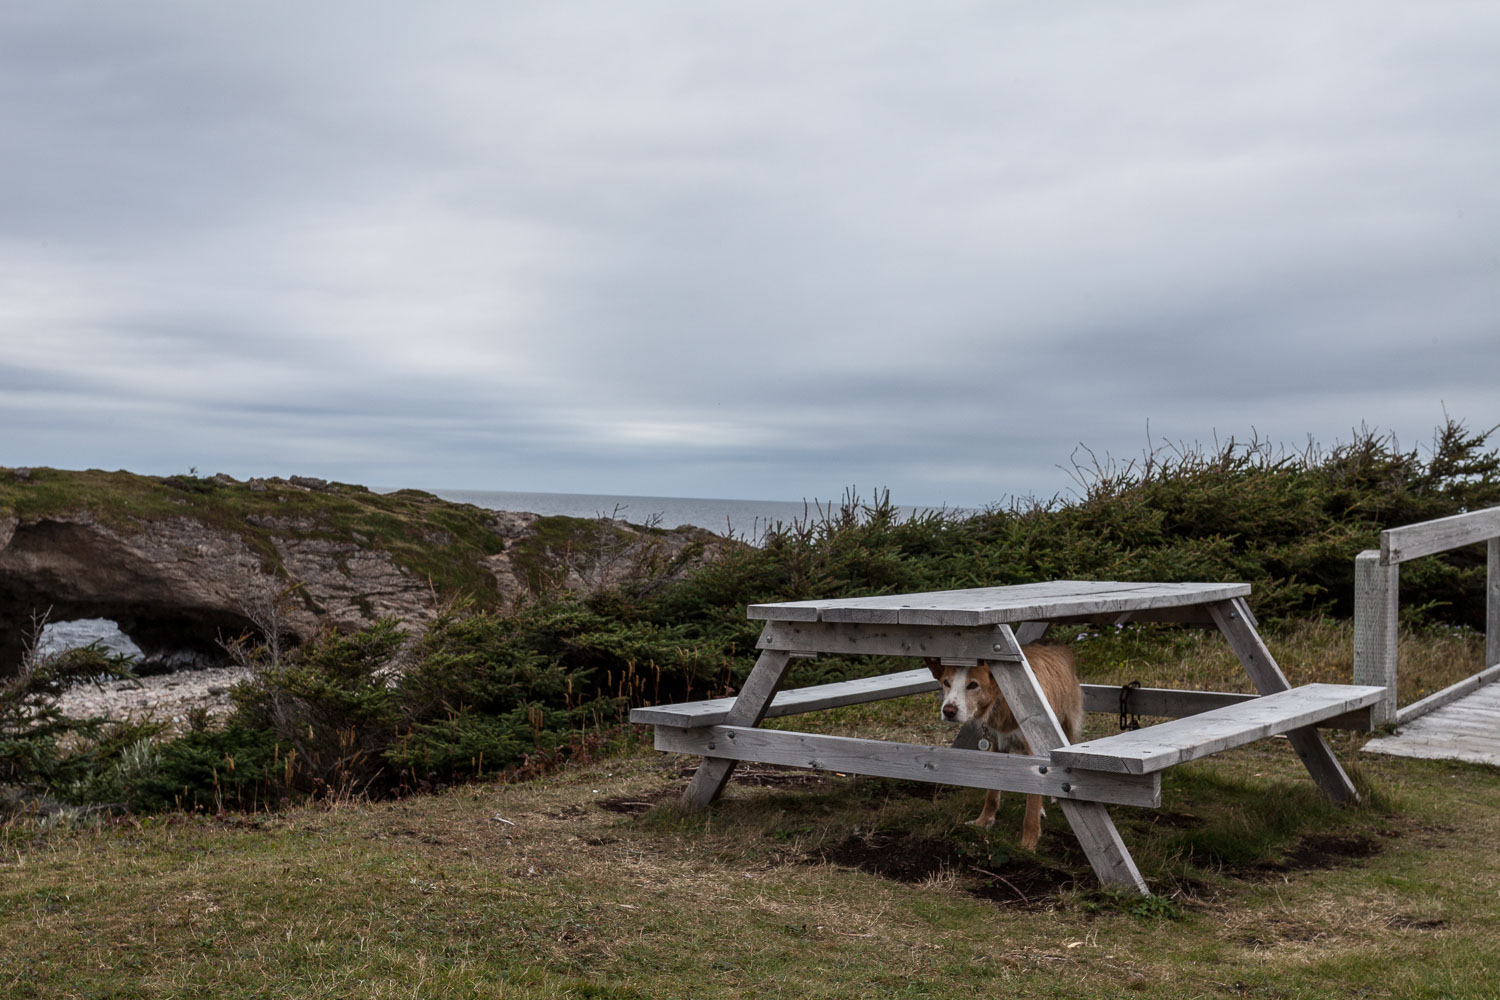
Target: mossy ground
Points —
{"points": [[432, 538], [592, 883]]}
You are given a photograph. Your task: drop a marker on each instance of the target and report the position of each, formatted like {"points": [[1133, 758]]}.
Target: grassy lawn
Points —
{"points": [[592, 883]]}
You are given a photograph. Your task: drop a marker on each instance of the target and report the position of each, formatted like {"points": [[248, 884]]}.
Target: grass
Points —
{"points": [[434, 539], [581, 896], [591, 882]]}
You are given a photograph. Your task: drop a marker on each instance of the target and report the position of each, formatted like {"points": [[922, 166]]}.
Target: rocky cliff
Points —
{"points": [[183, 562]]}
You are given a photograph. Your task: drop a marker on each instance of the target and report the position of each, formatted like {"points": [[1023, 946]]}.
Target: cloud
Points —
{"points": [[760, 251]]}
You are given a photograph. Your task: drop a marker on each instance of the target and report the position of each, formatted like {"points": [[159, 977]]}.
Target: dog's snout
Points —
{"points": [[950, 710]]}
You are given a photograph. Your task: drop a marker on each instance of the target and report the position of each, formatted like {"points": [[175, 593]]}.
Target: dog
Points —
{"points": [[970, 693]]}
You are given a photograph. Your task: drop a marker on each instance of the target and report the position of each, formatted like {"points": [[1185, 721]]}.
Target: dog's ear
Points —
{"points": [[935, 666]]}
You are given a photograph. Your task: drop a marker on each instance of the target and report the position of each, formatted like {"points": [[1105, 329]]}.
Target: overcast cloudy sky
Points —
{"points": [[757, 250]]}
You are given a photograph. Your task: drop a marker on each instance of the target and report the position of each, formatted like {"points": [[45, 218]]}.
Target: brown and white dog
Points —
{"points": [[970, 693]]}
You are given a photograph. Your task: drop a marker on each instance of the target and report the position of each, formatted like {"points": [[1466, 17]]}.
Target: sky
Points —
{"points": [[750, 250]]}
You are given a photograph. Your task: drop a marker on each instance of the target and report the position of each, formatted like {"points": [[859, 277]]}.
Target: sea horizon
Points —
{"points": [[744, 518]]}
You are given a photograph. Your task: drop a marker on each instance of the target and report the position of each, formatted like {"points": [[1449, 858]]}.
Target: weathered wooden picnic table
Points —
{"points": [[990, 625]]}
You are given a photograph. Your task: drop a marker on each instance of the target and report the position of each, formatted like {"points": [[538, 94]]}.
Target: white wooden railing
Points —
{"points": [[1376, 597]]}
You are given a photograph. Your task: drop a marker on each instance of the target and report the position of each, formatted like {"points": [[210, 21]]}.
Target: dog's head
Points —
{"points": [[968, 692]]}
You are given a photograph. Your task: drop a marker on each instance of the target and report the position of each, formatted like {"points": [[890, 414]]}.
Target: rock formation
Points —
{"points": [[181, 564]]}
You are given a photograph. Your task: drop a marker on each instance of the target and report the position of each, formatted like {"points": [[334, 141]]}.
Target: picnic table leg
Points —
{"points": [[748, 710], [1029, 632], [1235, 621], [1090, 821]]}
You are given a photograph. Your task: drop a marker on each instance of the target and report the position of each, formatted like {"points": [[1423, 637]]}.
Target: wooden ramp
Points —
{"points": [[1467, 729]]}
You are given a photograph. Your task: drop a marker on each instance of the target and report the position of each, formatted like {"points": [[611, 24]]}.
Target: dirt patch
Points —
{"points": [[771, 777], [1177, 820], [1011, 882], [895, 856], [767, 776], [634, 805], [1330, 850], [1315, 852], [1402, 922], [1023, 884]]}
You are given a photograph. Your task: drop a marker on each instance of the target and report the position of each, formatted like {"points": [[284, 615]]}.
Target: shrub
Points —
{"points": [[43, 751], [481, 692]]}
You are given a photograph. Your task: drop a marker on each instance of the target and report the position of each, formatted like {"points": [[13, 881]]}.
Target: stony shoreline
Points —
{"points": [[166, 698]]}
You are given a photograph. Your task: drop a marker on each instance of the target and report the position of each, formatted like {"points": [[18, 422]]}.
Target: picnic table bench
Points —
{"points": [[990, 625]]}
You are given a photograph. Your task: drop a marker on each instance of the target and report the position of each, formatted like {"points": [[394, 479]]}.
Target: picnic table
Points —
{"points": [[989, 625]]}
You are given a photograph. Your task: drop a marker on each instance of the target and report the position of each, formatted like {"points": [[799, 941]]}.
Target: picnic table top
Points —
{"points": [[1001, 605]]}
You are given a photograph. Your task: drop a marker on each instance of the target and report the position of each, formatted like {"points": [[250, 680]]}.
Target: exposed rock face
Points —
{"points": [[173, 585], [178, 583]]}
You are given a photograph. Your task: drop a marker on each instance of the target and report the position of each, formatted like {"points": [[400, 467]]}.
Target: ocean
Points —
{"points": [[747, 519], [58, 636]]}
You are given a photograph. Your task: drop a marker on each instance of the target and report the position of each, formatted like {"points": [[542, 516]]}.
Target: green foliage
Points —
{"points": [[359, 712], [430, 538], [330, 705], [1289, 523], [1149, 907], [483, 692], [208, 769], [42, 750]]}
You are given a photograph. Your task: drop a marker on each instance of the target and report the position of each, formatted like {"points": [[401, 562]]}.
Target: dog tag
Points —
{"points": [[969, 736], [984, 744]]}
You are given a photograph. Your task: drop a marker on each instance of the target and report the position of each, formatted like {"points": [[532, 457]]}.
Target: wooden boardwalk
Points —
{"points": [[1467, 729]]}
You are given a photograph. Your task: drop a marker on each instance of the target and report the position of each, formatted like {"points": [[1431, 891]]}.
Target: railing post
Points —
{"points": [[1376, 594], [1492, 607]]}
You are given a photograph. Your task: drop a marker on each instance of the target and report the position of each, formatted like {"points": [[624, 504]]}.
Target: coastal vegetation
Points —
{"points": [[460, 810], [588, 883], [485, 690], [429, 537]]}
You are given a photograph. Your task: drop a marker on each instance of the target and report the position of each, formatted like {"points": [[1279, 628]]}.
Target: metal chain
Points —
{"points": [[1128, 720]]}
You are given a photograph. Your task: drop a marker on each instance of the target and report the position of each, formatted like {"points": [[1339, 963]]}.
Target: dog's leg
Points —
{"points": [[1031, 826], [987, 814]]}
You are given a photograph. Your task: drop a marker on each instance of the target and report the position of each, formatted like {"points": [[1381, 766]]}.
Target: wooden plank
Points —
{"points": [[1032, 775], [1028, 632], [715, 711], [1155, 748], [1002, 605], [1376, 597], [942, 612], [1486, 725], [1028, 704], [1399, 748], [1474, 708], [1484, 701], [881, 639], [1447, 695], [1103, 845], [885, 602], [1191, 615], [1175, 703], [1437, 726], [1096, 832], [1451, 741], [1170, 703], [1412, 541], [1236, 624], [748, 710], [1492, 606]]}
